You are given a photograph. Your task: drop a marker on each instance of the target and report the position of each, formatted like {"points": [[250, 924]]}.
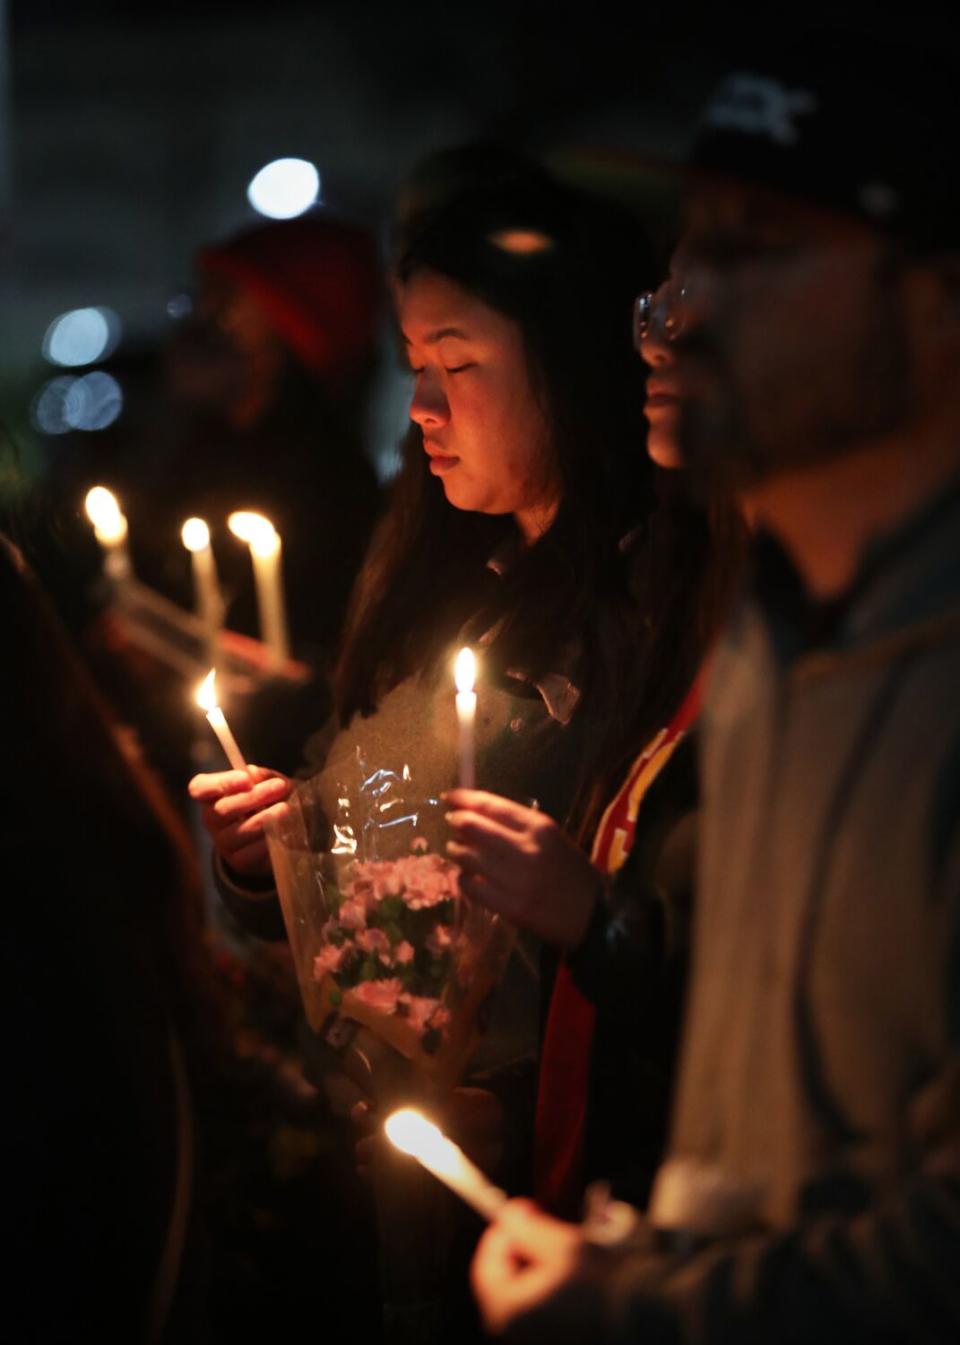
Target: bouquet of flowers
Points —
{"points": [[381, 935]]}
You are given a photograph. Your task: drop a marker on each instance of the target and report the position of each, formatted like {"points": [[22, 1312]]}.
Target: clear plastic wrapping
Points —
{"points": [[381, 936]]}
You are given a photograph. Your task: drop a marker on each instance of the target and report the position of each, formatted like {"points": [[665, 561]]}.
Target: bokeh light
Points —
{"points": [[91, 402], [81, 336], [179, 306], [195, 534], [49, 410], [284, 188]]}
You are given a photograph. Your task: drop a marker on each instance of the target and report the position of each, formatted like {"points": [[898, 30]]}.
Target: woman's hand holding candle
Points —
{"points": [[234, 807], [518, 862]]}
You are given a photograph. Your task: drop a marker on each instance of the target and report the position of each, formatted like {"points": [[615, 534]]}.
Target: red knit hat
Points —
{"points": [[317, 280]]}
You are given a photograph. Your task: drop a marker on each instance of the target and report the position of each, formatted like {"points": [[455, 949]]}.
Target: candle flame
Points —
{"points": [[265, 543], [251, 528], [102, 508], [207, 692], [465, 670], [413, 1134], [195, 534]]}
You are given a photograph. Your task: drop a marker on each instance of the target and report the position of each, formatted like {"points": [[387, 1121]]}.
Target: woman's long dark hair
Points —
{"points": [[565, 267]]}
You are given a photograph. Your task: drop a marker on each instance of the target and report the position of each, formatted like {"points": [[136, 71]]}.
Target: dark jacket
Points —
{"points": [[632, 965]]}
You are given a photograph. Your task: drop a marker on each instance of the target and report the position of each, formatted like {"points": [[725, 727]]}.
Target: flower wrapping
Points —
{"points": [[381, 935]]}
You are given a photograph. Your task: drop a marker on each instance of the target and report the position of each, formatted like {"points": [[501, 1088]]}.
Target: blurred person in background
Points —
{"points": [[268, 377], [810, 1191]]}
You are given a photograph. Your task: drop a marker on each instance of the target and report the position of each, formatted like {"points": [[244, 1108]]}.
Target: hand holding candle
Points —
{"points": [[207, 700], [465, 673], [411, 1132]]}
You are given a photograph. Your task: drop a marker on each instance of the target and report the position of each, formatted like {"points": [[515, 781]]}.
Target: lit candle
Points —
{"points": [[196, 538], [110, 530], [207, 700], [266, 553], [415, 1135], [465, 673]]}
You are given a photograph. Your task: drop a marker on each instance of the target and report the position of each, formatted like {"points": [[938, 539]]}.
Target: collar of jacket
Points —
{"points": [[906, 593], [557, 689]]}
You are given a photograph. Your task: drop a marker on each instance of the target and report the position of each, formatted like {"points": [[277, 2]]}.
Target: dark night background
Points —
{"points": [[128, 132]]}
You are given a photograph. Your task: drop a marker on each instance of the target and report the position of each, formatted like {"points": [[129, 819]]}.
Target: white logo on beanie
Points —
{"points": [[757, 105]]}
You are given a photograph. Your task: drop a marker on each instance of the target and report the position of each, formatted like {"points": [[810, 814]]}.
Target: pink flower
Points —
{"points": [[387, 884], [361, 889], [352, 914], [379, 995], [403, 953], [328, 959], [423, 1012], [440, 940], [377, 879], [373, 941], [423, 880]]}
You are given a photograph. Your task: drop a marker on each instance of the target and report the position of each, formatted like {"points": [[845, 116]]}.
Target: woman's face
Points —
{"points": [[484, 431]]}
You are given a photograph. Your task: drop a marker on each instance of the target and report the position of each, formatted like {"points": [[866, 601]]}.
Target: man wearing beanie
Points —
{"points": [[812, 1187]]}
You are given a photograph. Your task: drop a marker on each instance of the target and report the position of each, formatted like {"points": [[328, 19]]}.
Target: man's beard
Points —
{"points": [[726, 452]]}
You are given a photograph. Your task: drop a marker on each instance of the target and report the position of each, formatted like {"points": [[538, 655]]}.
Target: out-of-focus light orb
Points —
{"points": [[82, 336], [179, 306], [522, 242], [195, 534], [49, 410], [90, 402], [103, 508], [95, 401], [284, 188]]}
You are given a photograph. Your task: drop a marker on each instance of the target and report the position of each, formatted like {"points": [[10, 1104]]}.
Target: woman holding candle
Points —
{"points": [[514, 301], [526, 522]]}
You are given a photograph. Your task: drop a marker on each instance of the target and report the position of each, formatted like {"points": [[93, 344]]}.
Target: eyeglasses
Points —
{"points": [[660, 312]]}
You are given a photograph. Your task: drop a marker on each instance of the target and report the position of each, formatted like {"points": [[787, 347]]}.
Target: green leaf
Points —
{"points": [[391, 908]]}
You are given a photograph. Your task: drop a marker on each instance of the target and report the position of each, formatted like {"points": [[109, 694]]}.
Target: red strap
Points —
{"points": [[568, 1041]]}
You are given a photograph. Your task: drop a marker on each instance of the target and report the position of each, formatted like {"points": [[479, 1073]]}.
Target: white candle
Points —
{"points": [[266, 554], [110, 530], [465, 672], [206, 587], [207, 700], [415, 1135]]}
